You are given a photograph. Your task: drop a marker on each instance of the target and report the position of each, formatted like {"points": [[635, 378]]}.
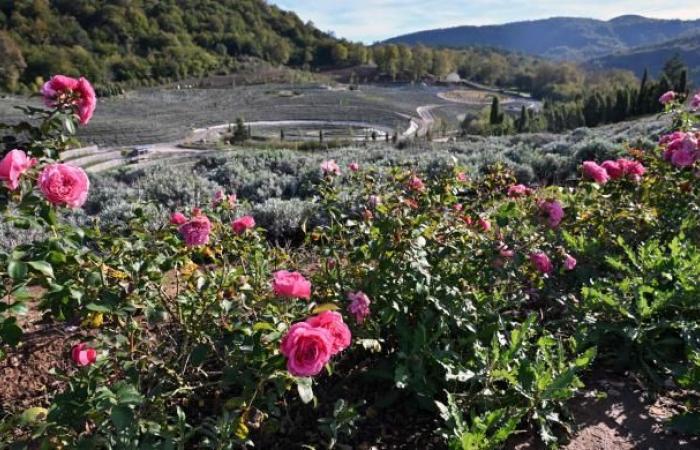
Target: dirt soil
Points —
{"points": [[614, 414], [617, 414]]}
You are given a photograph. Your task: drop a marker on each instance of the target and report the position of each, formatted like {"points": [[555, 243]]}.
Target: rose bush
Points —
{"points": [[473, 301]]}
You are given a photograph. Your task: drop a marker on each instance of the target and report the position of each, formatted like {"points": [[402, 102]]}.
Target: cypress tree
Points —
{"points": [[522, 121], [683, 83], [496, 117], [640, 106]]}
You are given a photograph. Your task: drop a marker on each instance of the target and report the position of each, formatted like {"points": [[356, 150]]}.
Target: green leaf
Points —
{"points": [[17, 270], [121, 416], [43, 267], [305, 389]]}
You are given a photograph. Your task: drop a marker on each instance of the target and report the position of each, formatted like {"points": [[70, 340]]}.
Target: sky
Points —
{"points": [[369, 21]]}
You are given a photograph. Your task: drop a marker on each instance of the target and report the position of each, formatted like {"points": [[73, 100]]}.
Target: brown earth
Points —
{"points": [[614, 414]]}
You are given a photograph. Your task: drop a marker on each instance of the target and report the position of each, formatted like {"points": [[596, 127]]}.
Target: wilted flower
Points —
{"points": [[569, 262], [220, 197], [330, 167], [553, 210], [484, 224], [374, 200], [359, 305], [416, 184], [695, 102], [519, 190]]}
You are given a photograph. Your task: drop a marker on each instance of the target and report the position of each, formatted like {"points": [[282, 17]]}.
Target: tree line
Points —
{"points": [[598, 107]]}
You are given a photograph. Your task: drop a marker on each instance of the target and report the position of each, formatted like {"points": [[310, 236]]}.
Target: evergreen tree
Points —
{"points": [[496, 117], [682, 87], [522, 123], [640, 106], [673, 70], [240, 134]]}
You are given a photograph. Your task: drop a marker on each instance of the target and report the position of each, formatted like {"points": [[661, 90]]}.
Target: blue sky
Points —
{"points": [[374, 20]]}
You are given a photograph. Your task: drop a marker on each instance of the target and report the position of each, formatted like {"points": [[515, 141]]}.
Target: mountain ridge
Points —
{"points": [[561, 38]]}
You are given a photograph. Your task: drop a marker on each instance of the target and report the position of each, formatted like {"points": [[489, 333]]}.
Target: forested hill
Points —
{"points": [[559, 37], [654, 57], [118, 40]]}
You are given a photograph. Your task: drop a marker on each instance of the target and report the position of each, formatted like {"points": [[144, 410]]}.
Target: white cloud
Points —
{"points": [[373, 20]]}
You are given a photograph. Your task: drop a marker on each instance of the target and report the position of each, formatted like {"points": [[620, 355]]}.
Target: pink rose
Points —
{"points": [[569, 262], [462, 177], [416, 184], [671, 137], [291, 285], [62, 184], [354, 167], [196, 231], [330, 168], [83, 355], [613, 169], [484, 224], [631, 168], [683, 158], [242, 224], [12, 166], [177, 218], [541, 262], [553, 210], [307, 349], [359, 305], [63, 91], [667, 98], [332, 322], [595, 172], [457, 207], [519, 190], [695, 102]]}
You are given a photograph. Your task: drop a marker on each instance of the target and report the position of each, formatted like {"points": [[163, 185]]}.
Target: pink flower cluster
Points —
{"points": [[63, 91], [287, 284], [220, 197], [543, 264], [61, 184], [613, 170], [309, 345], [680, 148]]}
